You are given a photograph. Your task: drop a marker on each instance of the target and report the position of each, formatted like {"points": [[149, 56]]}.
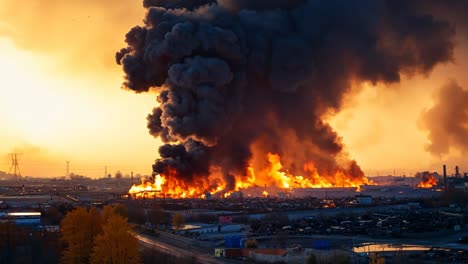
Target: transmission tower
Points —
{"points": [[15, 166], [67, 174]]}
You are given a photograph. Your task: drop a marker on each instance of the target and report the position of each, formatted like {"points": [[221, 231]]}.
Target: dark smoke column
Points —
{"points": [[233, 74]]}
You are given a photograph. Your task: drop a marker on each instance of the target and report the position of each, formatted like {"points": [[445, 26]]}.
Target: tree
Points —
{"points": [[178, 221], [79, 228], [117, 209], [118, 175], [96, 237], [116, 244]]}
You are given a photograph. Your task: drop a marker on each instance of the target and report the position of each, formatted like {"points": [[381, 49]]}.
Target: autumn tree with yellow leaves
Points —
{"points": [[98, 237], [115, 245], [79, 229], [114, 209]]}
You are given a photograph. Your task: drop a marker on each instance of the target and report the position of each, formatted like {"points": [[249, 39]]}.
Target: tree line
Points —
{"points": [[93, 236]]}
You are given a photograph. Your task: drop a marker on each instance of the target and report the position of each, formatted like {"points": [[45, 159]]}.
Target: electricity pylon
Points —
{"points": [[15, 166]]}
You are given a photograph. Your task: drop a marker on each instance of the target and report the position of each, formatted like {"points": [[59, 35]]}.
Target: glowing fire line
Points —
{"points": [[272, 175]]}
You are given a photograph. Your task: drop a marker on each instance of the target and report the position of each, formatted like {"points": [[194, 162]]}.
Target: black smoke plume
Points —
{"points": [[453, 11], [231, 74]]}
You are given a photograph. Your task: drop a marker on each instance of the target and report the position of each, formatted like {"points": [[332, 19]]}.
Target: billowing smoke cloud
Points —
{"points": [[173, 4], [451, 10], [447, 120], [235, 76]]}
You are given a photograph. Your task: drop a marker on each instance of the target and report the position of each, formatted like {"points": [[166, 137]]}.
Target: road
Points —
{"points": [[181, 247]]}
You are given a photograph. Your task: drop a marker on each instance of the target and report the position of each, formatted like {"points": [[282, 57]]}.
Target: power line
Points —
{"points": [[15, 166]]}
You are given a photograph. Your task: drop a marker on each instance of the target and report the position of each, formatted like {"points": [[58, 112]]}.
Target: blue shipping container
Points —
{"points": [[322, 244], [233, 242]]}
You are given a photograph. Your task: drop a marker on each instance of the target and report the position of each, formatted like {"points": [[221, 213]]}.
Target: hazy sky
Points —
{"points": [[61, 98], [60, 93]]}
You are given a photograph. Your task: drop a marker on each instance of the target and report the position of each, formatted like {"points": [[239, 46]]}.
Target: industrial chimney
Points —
{"points": [[445, 176]]}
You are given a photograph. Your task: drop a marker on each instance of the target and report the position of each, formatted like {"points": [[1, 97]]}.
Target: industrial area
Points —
{"points": [[395, 218], [234, 131]]}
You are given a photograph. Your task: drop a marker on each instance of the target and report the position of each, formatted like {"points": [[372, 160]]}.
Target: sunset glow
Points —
{"points": [[61, 101]]}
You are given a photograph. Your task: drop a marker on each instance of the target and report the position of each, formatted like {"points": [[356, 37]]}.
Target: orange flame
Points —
{"points": [[148, 188], [312, 180], [273, 174], [427, 181]]}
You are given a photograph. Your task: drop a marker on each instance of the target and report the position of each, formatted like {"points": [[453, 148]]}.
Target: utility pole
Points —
{"points": [[67, 174], [15, 166]]}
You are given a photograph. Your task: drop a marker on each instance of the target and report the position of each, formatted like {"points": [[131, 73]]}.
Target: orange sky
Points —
{"points": [[60, 98]]}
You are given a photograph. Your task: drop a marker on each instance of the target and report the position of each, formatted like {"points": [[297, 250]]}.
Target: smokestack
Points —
{"points": [[132, 176], [457, 172], [445, 176]]}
